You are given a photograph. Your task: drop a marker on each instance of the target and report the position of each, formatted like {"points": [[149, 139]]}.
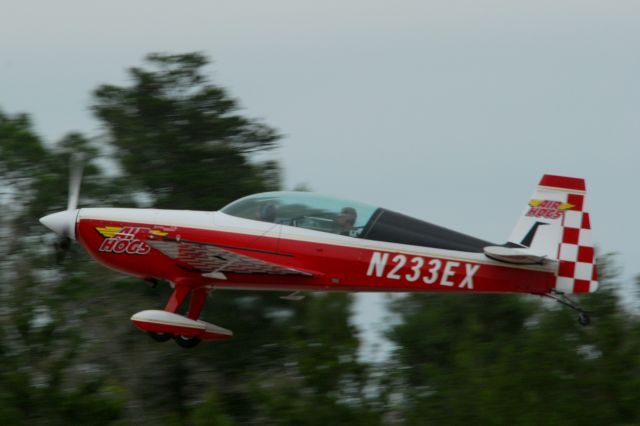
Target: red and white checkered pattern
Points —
{"points": [[577, 269], [208, 258]]}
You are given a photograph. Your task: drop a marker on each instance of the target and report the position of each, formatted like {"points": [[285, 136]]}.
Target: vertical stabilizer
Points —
{"points": [[556, 226]]}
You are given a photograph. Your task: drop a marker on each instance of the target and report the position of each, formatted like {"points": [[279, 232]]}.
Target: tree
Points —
{"points": [[41, 380], [181, 139], [506, 359]]}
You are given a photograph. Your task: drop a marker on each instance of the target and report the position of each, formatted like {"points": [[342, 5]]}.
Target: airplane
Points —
{"points": [[305, 242]]}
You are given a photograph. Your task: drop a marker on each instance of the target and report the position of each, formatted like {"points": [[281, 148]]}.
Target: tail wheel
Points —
{"points": [[186, 341], [160, 337], [584, 319]]}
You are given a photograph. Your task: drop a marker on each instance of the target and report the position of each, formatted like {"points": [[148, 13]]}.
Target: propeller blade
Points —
{"points": [[63, 222], [75, 180], [60, 248]]}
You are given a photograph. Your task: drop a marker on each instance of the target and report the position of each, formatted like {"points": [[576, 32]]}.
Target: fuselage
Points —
{"points": [[118, 239]]}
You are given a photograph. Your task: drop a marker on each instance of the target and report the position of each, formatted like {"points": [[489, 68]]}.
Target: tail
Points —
{"points": [[556, 226]]}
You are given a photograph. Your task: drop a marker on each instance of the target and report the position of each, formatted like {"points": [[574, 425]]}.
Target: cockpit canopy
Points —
{"points": [[304, 210], [327, 214]]}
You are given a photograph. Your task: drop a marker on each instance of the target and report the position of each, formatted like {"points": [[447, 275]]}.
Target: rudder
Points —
{"points": [[556, 226]]}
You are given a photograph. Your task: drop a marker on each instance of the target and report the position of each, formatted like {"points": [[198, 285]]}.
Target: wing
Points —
{"points": [[214, 261]]}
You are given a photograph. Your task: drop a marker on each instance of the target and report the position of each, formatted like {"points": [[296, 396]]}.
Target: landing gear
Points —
{"points": [[160, 337], [584, 317], [187, 342], [198, 297], [187, 330]]}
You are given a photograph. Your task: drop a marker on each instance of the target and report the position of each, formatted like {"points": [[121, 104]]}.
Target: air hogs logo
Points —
{"points": [[123, 240], [547, 209]]}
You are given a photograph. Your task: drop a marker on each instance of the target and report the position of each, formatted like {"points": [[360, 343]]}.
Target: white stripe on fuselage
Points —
{"points": [[218, 221]]}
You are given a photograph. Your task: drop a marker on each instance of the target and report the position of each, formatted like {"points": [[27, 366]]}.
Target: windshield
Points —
{"points": [[305, 210]]}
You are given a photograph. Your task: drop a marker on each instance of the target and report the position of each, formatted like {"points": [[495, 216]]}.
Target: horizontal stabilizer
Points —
{"points": [[521, 256], [167, 322]]}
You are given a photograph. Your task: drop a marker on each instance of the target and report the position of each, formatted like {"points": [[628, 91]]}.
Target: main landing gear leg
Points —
{"points": [[198, 297], [584, 317], [175, 301]]}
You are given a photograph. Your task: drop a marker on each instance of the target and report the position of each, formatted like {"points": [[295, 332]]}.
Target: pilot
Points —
{"points": [[266, 212], [346, 220]]}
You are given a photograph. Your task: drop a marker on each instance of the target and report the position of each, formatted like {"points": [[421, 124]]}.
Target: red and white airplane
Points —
{"points": [[301, 241]]}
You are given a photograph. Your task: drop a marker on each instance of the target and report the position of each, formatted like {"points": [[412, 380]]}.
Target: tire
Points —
{"points": [[187, 342], [584, 319], [160, 337]]}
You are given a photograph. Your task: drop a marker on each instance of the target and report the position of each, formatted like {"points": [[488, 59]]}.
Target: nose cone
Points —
{"points": [[62, 223]]}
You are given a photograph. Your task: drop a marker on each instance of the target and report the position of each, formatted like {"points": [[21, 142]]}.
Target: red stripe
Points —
{"points": [[563, 182]]}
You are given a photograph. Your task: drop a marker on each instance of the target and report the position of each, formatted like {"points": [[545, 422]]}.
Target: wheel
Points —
{"points": [[584, 319], [186, 341], [160, 337]]}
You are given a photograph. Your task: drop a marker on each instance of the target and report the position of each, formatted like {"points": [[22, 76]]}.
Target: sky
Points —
{"points": [[447, 110]]}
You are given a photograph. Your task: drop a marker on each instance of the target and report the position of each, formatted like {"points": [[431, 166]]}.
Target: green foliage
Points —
{"points": [[20, 149], [181, 138]]}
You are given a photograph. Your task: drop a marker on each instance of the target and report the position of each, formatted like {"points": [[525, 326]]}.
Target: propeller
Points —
{"points": [[75, 180], [63, 223]]}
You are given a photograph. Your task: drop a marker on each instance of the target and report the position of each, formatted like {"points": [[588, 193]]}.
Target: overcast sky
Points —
{"points": [[447, 110]]}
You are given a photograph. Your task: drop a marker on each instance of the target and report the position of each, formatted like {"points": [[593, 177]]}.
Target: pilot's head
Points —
{"points": [[347, 218]]}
